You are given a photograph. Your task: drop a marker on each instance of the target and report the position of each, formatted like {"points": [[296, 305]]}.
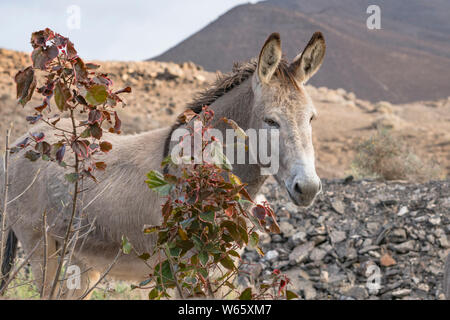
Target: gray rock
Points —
{"points": [[338, 206], [401, 293], [397, 235], [308, 290], [317, 254], [300, 253], [373, 227], [357, 292], [276, 238], [286, 229], [337, 236], [298, 238], [404, 246], [443, 241], [271, 255]]}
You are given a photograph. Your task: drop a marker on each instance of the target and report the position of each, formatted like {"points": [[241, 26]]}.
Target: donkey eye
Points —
{"points": [[312, 118], [271, 123]]}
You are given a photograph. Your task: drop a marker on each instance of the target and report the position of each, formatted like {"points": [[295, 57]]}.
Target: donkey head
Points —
{"points": [[282, 103]]}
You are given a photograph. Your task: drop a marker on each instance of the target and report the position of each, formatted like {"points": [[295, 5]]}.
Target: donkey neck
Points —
{"points": [[237, 105]]}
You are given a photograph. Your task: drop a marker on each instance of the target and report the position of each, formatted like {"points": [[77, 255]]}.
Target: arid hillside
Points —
{"points": [[407, 60], [161, 91]]}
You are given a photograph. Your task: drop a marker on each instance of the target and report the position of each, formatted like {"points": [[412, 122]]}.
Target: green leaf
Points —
{"points": [[153, 294], [234, 253], [254, 239], [150, 229], [208, 216], [203, 257], [157, 183], [86, 133], [96, 94], [126, 246], [243, 233], [62, 95], [246, 294], [197, 242], [144, 256], [291, 295], [166, 272], [175, 252], [32, 155], [203, 272], [232, 229], [71, 177], [218, 157], [228, 263], [145, 282]]}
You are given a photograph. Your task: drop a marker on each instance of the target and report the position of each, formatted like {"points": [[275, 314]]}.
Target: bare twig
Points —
{"points": [[16, 271], [26, 189], [44, 269], [5, 198], [74, 209]]}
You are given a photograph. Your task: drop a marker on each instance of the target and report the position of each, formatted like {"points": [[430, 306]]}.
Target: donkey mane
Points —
{"points": [[226, 82]]}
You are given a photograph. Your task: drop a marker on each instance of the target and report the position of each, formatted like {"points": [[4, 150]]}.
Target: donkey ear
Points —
{"points": [[269, 58], [306, 64]]}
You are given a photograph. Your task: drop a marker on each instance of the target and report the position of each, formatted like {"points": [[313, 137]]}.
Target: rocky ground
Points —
{"points": [[327, 250]]}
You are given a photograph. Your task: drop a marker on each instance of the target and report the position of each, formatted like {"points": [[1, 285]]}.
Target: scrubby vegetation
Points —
{"points": [[386, 157]]}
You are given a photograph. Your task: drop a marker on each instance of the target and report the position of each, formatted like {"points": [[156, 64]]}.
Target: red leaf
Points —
{"points": [[105, 146], [38, 137], [40, 38], [60, 153], [42, 56], [94, 116], [126, 90], [117, 123], [259, 212], [100, 165], [25, 85], [81, 73]]}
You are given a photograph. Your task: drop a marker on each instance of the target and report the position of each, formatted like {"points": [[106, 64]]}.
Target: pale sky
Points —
{"points": [[109, 29]]}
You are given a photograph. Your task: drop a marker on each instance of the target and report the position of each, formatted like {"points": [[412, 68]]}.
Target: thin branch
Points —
{"points": [[44, 269], [26, 189], [74, 208], [96, 197], [16, 271], [5, 199]]}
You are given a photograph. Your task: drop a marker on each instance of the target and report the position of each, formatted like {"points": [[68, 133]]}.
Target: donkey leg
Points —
{"points": [[79, 279], [43, 269]]}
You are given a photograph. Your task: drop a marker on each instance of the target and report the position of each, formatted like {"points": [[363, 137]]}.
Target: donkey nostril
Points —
{"points": [[297, 188]]}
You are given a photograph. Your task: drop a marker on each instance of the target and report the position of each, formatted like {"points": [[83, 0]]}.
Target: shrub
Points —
{"points": [[205, 223], [383, 156], [71, 88]]}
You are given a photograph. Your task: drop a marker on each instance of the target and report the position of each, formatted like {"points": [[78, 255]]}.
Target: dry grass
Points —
{"points": [[386, 157]]}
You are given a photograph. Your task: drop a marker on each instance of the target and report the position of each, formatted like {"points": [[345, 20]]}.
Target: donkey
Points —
{"points": [[264, 93]]}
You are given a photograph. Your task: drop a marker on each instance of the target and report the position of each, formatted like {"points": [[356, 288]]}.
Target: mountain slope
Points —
{"points": [[403, 62]]}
